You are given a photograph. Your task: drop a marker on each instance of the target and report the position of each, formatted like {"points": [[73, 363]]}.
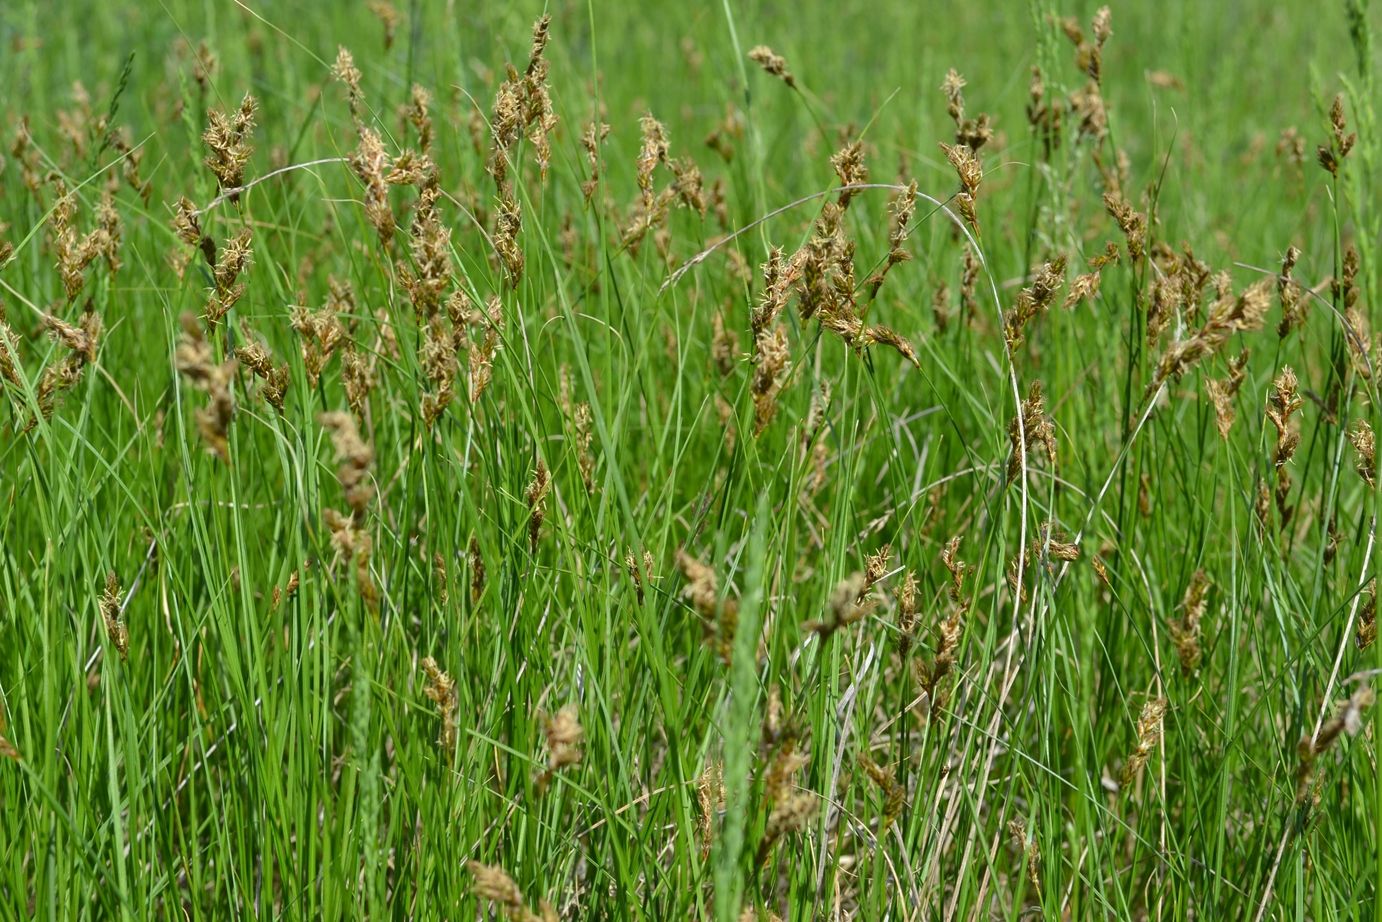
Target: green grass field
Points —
{"points": [[607, 469]]}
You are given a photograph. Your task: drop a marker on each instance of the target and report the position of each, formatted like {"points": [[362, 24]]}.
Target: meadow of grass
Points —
{"points": [[741, 460]]}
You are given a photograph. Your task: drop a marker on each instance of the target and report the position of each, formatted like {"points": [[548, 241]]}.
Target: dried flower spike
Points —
{"points": [[773, 63], [1148, 735], [441, 690], [496, 886], [112, 616], [196, 362], [227, 143], [536, 494], [564, 736]]}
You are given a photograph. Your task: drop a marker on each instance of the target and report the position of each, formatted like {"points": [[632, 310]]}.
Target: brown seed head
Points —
{"points": [[227, 142], [354, 459], [1365, 445], [1148, 735], [112, 616], [441, 689], [536, 495], [773, 63]]}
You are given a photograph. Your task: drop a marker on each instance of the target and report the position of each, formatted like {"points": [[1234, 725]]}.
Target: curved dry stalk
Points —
{"points": [[235, 191]]}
